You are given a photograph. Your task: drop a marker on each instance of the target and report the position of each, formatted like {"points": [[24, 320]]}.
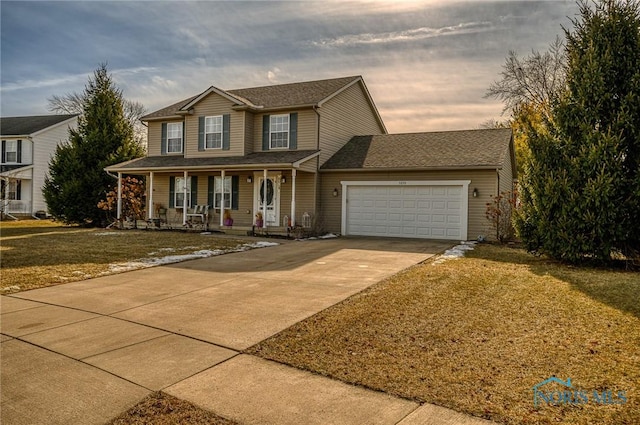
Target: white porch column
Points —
{"points": [[184, 200], [119, 210], [293, 197], [222, 175], [150, 198], [264, 200]]}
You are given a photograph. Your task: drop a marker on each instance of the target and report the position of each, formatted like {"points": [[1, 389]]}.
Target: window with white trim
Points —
{"points": [[279, 131], [179, 192], [213, 132], [11, 152], [10, 190], [174, 137], [220, 190]]}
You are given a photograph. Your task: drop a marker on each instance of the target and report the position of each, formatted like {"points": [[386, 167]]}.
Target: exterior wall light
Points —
{"points": [[335, 192], [249, 179], [283, 180], [475, 193]]}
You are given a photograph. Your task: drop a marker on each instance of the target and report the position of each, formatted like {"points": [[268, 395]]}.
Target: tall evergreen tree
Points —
{"points": [[581, 186], [77, 181]]}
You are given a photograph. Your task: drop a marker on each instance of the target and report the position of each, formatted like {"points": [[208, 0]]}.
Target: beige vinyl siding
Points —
{"points": [[346, 115], [506, 174], [307, 129], [211, 105], [249, 120], [310, 166], [305, 196], [154, 137], [483, 180]]}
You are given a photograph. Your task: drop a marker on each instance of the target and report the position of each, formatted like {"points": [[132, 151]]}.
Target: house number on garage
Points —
{"points": [[402, 182]]}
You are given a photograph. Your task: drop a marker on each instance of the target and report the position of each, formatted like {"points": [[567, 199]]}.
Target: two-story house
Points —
{"points": [[28, 143], [318, 151]]}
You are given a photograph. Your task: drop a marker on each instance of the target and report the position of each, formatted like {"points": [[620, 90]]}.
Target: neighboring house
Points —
{"points": [[28, 143], [307, 142]]}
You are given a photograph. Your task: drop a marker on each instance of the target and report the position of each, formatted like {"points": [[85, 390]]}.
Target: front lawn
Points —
{"points": [[42, 253], [476, 334]]}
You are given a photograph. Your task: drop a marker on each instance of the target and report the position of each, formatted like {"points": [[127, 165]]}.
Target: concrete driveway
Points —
{"points": [[86, 351]]}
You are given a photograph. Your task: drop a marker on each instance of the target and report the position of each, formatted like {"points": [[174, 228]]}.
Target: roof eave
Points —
{"points": [[17, 136], [163, 118], [239, 167], [387, 169]]}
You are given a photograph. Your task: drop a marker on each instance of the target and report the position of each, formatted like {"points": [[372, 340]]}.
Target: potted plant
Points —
{"points": [[259, 221], [227, 220]]}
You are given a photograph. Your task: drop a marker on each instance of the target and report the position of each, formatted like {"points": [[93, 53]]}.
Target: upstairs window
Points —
{"points": [[11, 151], [213, 132], [174, 137], [279, 132]]}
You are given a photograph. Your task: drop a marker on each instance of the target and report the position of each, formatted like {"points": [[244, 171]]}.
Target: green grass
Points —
{"points": [[40, 253], [477, 333]]}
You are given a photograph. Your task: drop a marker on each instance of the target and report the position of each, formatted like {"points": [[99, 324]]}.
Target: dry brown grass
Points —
{"points": [[41, 253], [476, 334], [162, 409]]}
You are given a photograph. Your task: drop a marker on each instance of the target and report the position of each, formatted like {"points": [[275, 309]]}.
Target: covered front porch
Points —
{"points": [[263, 198], [15, 190]]}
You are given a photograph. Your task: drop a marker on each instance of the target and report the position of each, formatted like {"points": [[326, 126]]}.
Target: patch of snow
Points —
{"points": [[455, 252], [260, 244], [11, 288], [109, 233], [144, 263], [327, 236]]}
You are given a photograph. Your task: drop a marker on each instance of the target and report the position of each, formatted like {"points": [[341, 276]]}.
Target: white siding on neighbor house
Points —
{"points": [[485, 181], [44, 147], [346, 115]]}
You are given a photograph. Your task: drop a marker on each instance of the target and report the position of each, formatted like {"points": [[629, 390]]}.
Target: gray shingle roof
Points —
{"points": [[20, 126], [306, 93], [276, 96], [179, 162], [443, 149]]}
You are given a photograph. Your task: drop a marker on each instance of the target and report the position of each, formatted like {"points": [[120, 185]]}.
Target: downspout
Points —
{"points": [[317, 173], [498, 194]]}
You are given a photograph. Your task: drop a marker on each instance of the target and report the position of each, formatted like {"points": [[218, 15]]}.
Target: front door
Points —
{"points": [[269, 197]]}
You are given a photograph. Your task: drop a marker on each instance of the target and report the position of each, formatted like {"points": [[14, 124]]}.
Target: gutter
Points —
{"points": [[417, 169]]}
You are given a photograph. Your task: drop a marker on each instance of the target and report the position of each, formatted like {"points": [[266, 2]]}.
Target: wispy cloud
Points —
{"points": [[405, 35]]}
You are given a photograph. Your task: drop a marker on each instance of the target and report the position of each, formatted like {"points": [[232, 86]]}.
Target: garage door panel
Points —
{"points": [[422, 211]]}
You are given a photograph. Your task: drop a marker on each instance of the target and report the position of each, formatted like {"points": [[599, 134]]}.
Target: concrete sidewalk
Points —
{"points": [[84, 352]]}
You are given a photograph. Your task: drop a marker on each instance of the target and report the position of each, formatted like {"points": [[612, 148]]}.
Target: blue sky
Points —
{"points": [[427, 64]]}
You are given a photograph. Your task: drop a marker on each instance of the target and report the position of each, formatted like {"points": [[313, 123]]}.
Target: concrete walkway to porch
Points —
{"points": [[84, 352]]}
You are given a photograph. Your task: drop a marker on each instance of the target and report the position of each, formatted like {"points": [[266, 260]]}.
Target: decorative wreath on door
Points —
{"points": [[269, 192]]}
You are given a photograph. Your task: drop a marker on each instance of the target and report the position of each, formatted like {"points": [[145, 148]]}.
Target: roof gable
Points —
{"points": [[23, 126], [307, 93], [439, 150]]}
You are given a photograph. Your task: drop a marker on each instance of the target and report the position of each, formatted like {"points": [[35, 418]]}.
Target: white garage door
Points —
{"points": [[406, 210]]}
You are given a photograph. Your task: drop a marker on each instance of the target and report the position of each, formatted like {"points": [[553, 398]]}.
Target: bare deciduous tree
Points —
{"points": [[536, 80]]}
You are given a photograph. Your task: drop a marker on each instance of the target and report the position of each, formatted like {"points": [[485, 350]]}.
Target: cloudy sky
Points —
{"points": [[427, 64]]}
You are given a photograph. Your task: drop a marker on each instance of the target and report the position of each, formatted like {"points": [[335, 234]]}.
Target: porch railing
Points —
{"points": [[10, 206]]}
